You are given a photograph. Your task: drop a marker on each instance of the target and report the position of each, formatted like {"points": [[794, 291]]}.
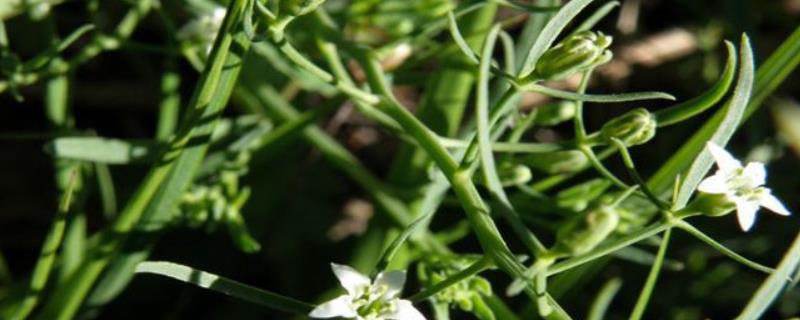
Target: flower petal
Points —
{"points": [[351, 280], [746, 213], [339, 307], [725, 161], [714, 184], [393, 280], [755, 173], [767, 200], [405, 311]]}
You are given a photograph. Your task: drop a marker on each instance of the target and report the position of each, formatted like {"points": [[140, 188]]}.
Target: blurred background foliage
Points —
{"points": [[306, 213]]}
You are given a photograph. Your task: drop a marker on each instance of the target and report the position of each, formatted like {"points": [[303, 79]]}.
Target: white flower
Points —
{"points": [[366, 300], [742, 186]]}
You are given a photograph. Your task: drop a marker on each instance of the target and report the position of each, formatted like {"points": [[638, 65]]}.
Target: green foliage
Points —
{"points": [[479, 190]]}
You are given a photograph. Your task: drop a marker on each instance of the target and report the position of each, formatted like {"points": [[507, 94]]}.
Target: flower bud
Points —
{"points": [[713, 205], [557, 162], [586, 231], [576, 53], [298, 7], [510, 174], [633, 128], [553, 114]]}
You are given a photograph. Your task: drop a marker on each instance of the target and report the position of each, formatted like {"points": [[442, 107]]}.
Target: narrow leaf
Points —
{"points": [[600, 98], [692, 107], [105, 150], [774, 285], [224, 285], [734, 110]]}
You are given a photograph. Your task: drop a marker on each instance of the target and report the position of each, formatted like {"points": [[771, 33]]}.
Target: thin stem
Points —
{"points": [[47, 256], [477, 212], [652, 277], [598, 165], [513, 147], [685, 226], [609, 247], [626, 158]]}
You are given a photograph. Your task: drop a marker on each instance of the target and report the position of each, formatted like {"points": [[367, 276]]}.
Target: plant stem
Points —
{"points": [[652, 277]]}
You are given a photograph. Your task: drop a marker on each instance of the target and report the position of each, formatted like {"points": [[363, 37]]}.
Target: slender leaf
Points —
{"points": [[105, 150], [603, 299], [600, 98], [598, 15], [692, 107], [774, 285], [224, 285], [652, 277], [734, 110]]}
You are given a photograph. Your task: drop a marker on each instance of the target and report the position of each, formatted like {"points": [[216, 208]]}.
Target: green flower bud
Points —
{"points": [[633, 128], [513, 174], [510, 174], [576, 53], [298, 7], [713, 205], [557, 162], [555, 113], [586, 231]]}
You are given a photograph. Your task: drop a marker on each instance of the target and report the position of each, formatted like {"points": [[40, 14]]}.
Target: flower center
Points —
{"points": [[742, 186], [372, 304]]}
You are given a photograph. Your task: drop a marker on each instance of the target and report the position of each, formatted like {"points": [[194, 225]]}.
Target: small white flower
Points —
{"points": [[742, 186], [367, 300]]}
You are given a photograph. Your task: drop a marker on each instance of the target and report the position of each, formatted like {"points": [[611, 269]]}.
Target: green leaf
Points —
{"points": [[487, 162], [598, 15], [224, 285], [105, 150], [692, 107], [600, 98], [604, 298], [550, 32], [774, 70], [398, 242], [774, 285], [652, 277], [47, 256], [769, 76], [725, 127]]}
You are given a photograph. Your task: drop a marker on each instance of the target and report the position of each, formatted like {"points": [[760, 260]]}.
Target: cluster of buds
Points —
{"points": [[467, 294], [577, 53], [217, 199], [210, 206]]}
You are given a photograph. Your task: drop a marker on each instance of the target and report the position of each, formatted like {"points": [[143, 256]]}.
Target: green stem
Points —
{"points": [[461, 181], [198, 124], [685, 226], [652, 277], [609, 247], [44, 265], [97, 45]]}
